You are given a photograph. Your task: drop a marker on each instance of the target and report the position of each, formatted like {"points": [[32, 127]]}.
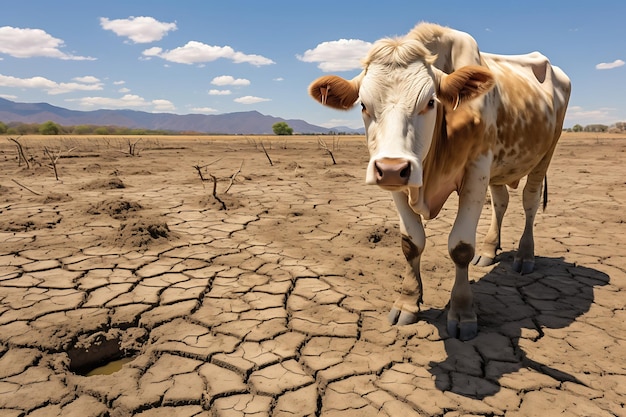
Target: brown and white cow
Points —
{"points": [[441, 116]]}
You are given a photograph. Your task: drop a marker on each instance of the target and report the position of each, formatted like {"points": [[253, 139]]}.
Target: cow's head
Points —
{"points": [[403, 98]]}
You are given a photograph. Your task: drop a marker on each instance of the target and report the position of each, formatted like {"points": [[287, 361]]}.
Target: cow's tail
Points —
{"points": [[545, 192]]}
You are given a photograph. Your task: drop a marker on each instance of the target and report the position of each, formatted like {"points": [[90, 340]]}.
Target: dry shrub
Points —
{"points": [[116, 208], [105, 183], [141, 232], [57, 198]]}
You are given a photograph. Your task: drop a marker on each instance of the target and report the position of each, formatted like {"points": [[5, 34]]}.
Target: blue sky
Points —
{"points": [[215, 57]]}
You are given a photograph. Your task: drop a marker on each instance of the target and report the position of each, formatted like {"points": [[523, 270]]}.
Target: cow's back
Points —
{"points": [[528, 108]]}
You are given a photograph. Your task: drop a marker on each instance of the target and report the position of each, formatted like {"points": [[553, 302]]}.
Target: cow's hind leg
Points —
{"points": [[406, 307], [491, 243], [524, 260]]}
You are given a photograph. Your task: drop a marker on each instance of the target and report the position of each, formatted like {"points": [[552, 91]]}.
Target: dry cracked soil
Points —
{"points": [[212, 279]]}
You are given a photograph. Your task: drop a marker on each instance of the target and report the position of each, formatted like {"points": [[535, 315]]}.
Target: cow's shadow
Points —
{"points": [[510, 307]]}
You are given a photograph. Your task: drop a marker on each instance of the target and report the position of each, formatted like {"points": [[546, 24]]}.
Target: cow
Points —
{"points": [[441, 116]]}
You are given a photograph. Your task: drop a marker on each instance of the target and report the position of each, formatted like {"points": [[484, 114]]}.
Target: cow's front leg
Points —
{"points": [[462, 322], [406, 307]]}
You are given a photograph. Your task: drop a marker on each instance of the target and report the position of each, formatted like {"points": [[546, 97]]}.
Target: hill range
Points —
{"points": [[239, 123]]}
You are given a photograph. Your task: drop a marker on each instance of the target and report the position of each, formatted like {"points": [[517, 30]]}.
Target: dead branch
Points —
{"points": [[323, 145], [199, 168], [132, 147], [20, 153], [25, 187], [232, 178], [54, 159], [215, 192], [266, 154]]}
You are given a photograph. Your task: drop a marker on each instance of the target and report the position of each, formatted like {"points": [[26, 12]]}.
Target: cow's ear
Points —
{"points": [[335, 92], [464, 84]]}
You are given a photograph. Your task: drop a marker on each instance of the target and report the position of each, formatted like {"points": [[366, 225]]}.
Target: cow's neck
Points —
{"points": [[454, 144]]}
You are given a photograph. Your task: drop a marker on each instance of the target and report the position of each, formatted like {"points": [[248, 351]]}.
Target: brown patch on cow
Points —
{"points": [[462, 254], [409, 249]]}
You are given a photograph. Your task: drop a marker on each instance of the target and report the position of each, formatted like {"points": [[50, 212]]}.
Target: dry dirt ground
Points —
{"points": [[271, 299]]}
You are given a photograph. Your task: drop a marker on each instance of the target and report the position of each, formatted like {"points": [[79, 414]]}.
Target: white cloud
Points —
{"points": [[124, 102], [341, 55], [229, 80], [355, 123], [141, 29], [124, 90], [119, 82], [250, 100], [163, 105], [610, 65], [203, 110], [128, 100], [150, 52], [219, 92], [51, 87], [279, 79], [29, 43], [197, 52], [88, 79], [580, 115], [8, 96]]}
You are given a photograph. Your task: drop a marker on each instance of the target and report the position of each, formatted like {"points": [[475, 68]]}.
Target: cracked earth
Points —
{"points": [[277, 305]]}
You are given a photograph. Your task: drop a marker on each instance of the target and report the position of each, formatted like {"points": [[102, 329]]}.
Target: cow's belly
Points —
{"points": [[510, 165]]}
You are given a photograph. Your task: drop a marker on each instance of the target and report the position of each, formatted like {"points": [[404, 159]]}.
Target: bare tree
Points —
{"points": [[215, 192], [54, 159], [323, 145], [266, 154], [232, 178], [20, 153]]}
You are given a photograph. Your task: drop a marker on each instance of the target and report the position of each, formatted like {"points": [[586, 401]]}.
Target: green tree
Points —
{"points": [[49, 128], [82, 130], [3, 128], [577, 128], [101, 131], [282, 128]]}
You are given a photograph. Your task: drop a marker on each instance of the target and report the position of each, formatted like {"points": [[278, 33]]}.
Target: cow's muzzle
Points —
{"points": [[394, 172]]}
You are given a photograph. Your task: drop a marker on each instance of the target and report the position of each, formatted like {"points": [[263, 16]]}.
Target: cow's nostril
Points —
{"points": [[406, 172], [379, 171]]}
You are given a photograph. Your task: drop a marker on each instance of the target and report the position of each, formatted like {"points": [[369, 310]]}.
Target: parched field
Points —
{"points": [[220, 279]]}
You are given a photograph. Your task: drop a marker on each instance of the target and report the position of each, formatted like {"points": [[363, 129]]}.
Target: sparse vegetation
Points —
{"points": [[282, 128], [618, 127], [49, 128]]}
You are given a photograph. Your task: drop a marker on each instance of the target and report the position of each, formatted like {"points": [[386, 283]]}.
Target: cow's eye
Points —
{"points": [[429, 106], [363, 108]]}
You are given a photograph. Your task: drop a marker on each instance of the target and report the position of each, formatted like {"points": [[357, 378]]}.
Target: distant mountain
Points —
{"points": [[240, 123]]}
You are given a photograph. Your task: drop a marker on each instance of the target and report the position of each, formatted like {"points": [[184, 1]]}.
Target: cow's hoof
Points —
{"points": [[462, 331], [400, 317], [523, 266], [482, 260]]}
